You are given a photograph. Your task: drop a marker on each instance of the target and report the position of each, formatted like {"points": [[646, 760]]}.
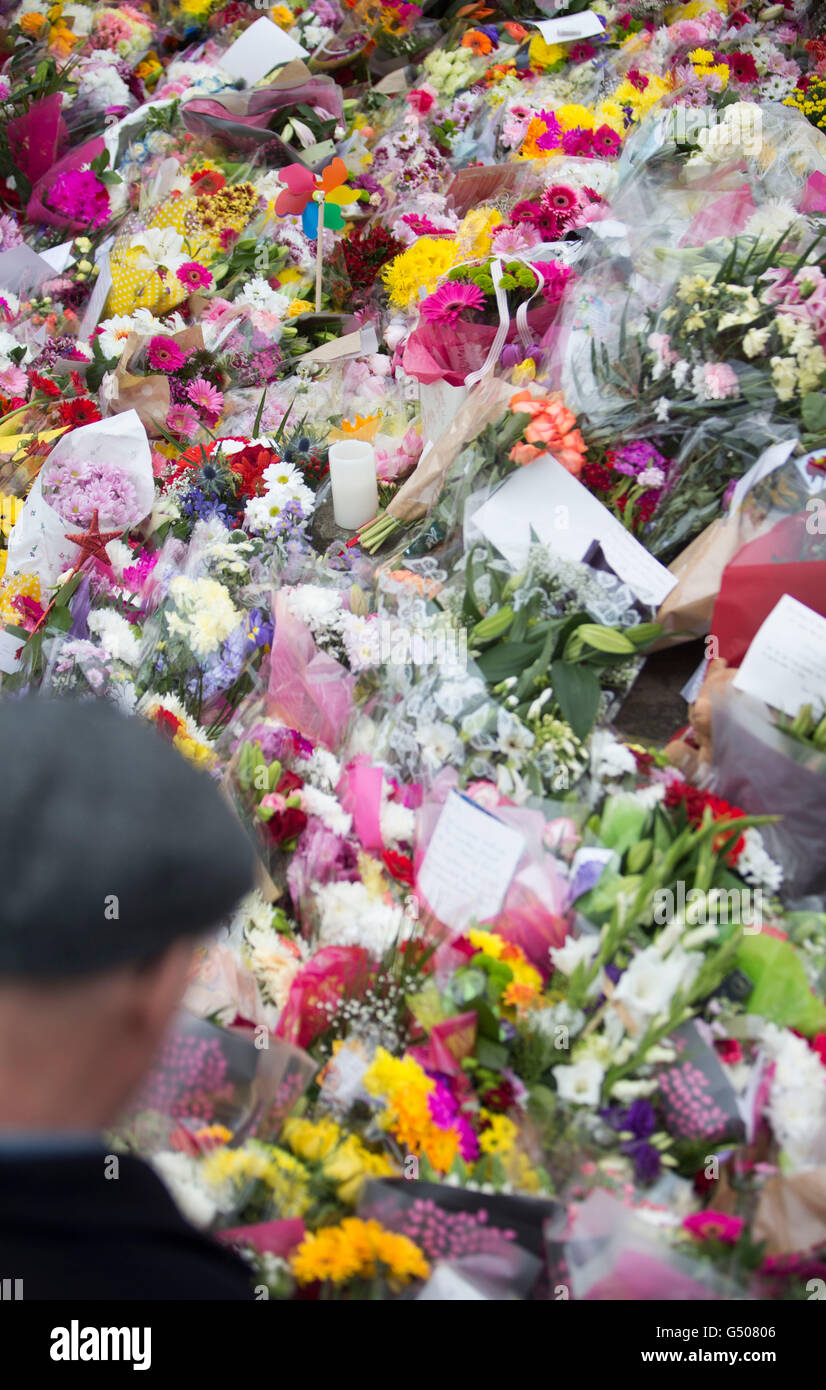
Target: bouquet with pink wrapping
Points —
{"points": [[37, 138], [58, 192], [333, 973], [611, 1253], [482, 317], [309, 690]]}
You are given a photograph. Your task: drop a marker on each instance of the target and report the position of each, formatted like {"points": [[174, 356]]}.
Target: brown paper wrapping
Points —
{"points": [[686, 612], [484, 405], [791, 1213], [147, 395]]}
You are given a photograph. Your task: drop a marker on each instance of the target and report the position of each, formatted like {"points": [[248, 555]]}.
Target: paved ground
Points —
{"points": [[655, 709]]}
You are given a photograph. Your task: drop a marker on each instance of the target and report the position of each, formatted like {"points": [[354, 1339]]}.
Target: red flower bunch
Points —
{"points": [[696, 802], [399, 866], [364, 253], [285, 819]]}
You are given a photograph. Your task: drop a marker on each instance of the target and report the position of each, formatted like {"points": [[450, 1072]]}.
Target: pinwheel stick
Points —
{"points": [[319, 252]]}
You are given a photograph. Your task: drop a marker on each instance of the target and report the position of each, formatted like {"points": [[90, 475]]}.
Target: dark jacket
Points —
{"points": [[69, 1232]]}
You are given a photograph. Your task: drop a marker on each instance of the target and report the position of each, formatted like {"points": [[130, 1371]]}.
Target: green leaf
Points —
{"points": [[605, 639], [492, 1055], [506, 659], [577, 692]]}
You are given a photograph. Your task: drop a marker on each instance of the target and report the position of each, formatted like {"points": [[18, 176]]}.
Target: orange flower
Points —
{"points": [[516, 31], [31, 24], [524, 453], [478, 42], [553, 426]]}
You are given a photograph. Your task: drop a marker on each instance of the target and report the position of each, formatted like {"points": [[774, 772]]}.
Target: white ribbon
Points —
{"points": [[504, 317]]}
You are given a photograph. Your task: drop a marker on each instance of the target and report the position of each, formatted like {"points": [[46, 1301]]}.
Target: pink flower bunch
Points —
{"points": [[78, 490], [79, 195]]}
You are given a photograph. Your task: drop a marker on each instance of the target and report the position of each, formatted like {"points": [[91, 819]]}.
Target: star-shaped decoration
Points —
{"points": [[93, 544]]}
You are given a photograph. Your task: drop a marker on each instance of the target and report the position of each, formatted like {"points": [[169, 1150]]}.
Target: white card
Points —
{"points": [[568, 28], [259, 49], [58, 257], [568, 518], [94, 308], [470, 861], [10, 645], [785, 666]]}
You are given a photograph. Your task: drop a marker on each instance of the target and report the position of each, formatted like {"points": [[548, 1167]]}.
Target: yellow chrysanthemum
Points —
{"points": [[500, 1135], [610, 113], [574, 116], [282, 16], [281, 1173], [421, 266], [299, 306], [544, 55], [357, 1249]]}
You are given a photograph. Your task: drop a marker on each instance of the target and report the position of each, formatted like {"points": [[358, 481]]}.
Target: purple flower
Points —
{"points": [[647, 1159]]}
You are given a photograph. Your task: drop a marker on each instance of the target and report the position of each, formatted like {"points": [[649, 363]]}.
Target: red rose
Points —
{"points": [[399, 866], [287, 825], [288, 783]]}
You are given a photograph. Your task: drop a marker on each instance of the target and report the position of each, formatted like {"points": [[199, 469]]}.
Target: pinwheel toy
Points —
{"points": [[318, 202]]}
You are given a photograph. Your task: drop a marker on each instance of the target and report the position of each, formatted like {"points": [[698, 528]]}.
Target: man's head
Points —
{"points": [[115, 856]]}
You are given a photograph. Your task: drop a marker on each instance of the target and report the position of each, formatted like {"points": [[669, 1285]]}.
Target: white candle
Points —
{"points": [[353, 480]]}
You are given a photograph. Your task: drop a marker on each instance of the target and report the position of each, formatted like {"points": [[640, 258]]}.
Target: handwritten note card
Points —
{"points": [[786, 663], [568, 518], [570, 27], [470, 861]]}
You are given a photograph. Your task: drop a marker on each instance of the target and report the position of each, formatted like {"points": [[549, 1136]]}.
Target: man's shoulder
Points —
{"points": [[97, 1226]]}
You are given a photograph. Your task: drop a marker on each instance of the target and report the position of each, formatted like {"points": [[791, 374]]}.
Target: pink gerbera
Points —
{"points": [[181, 419], [194, 276], [714, 1225], [164, 355], [449, 302], [205, 397], [559, 197], [606, 141]]}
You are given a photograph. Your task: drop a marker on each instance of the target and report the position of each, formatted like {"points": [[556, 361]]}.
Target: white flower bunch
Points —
{"points": [[202, 613]]}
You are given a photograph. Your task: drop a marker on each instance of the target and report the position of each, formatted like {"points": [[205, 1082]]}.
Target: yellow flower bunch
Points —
{"points": [[404, 1088], [526, 986], [500, 1135], [358, 1250], [429, 259], [281, 1173], [283, 16], [347, 1162]]}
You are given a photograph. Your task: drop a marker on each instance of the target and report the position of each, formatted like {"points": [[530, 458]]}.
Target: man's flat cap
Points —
{"points": [[112, 846]]}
